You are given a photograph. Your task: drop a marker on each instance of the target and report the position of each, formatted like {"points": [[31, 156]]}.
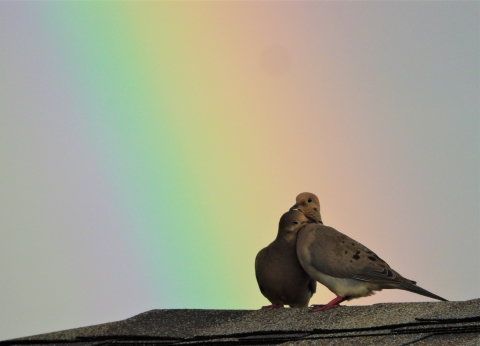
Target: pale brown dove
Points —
{"points": [[346, 267], [280, 276], [309, 205]]}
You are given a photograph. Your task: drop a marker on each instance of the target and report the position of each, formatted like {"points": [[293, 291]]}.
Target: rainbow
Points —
{"points": [[155, 145]]}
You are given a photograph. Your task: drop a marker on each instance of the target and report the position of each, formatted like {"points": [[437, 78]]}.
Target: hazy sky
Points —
{"points": [[148, 150]]}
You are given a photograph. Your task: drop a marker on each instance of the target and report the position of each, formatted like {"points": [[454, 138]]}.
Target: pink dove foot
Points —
{"points": [[335, 303]]}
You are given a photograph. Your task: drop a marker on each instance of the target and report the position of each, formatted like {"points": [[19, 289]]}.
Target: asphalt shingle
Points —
{"points": [[432, 323]]}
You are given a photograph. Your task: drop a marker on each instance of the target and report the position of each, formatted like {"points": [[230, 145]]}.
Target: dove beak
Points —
{"points": [[294, 207]]}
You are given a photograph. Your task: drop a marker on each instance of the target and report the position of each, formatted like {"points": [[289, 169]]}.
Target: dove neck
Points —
{"points": [[287, 238], [314, 220]]}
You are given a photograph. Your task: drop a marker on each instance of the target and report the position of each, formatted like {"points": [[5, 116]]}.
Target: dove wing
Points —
{"points": [[335, 254]]}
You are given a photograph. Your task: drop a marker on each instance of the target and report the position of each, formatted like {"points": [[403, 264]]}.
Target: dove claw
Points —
{"points": [[273, 306]]}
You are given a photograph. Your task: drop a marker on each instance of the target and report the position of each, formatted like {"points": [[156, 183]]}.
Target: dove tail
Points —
{"points": [[416, 289]]}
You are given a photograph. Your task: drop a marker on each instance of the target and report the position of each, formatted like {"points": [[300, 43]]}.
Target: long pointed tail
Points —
{"points": [[417, 289]]}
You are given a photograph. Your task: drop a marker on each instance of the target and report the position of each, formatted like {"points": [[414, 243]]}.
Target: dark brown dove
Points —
{"points": [[280, 276]]}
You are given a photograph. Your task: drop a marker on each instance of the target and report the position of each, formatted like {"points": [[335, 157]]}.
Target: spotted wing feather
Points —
{"points": [[335, 254]]}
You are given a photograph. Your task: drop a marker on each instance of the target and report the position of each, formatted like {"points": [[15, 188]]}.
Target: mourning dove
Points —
{"points": [[309, 205], [280, 276], [346, 267]]}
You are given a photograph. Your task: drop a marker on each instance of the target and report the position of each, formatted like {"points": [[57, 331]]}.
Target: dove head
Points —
{"points": [[290, 223], [309, 205]]}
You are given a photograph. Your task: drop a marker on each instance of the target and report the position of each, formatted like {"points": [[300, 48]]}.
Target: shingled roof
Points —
{"points": [[432, 323]]}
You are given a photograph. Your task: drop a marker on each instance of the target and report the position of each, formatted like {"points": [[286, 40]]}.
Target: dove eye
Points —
{"points": [[295, 222], [310, 200]]}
